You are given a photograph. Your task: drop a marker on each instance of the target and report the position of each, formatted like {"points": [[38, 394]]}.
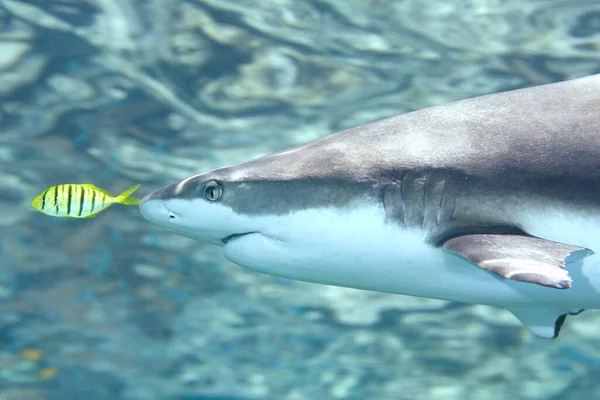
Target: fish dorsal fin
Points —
{"points": [[520, 258], [542, 322]]}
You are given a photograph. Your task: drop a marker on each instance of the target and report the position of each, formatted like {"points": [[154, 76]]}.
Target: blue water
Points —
{"points": [[119, 92]]}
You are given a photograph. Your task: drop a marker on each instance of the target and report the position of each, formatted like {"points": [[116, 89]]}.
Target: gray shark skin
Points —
{"points": [[491, 200]]}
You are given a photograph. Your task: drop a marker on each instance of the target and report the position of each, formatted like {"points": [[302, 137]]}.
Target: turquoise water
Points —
{"points": [[119, 92]]}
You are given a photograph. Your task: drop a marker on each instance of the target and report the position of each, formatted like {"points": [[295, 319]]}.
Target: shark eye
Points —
{"points": [[212, 191]]}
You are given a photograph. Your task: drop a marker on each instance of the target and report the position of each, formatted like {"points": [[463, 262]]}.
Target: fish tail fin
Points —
{"points": [[124, 198]]}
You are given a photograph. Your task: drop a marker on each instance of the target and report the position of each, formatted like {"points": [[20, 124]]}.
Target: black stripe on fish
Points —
{"points": [[81, 198], [44, 198], [68, 199], [93, 200], [56, 198], [104, 198]]}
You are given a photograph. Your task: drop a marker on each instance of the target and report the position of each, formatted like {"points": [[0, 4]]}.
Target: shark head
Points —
{"points": [[255, 197], [275, 215], [197, 208], [298, 228]]}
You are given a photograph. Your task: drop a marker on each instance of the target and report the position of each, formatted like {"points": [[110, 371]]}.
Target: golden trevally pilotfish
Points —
{"points": [[84, 200]]}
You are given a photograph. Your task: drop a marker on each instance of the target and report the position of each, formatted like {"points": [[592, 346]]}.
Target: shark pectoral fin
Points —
{"points": [[520, 258], [542, 322]]}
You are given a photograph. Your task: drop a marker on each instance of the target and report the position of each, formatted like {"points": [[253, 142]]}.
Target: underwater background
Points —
{"points": [[119, 92]]}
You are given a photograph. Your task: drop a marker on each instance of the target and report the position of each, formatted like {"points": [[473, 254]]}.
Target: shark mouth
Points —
{"points": [[229, 238]]}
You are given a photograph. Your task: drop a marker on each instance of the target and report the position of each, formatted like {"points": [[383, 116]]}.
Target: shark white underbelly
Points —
{"points": [[358, 249]]}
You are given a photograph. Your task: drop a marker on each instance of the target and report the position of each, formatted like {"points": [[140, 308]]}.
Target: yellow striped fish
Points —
{"points": [[79, 200]]}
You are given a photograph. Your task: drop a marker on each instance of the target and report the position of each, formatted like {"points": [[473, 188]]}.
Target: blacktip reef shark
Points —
{"points": [[493, 200]]}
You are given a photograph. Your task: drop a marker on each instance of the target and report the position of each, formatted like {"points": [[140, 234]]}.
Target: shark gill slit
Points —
{"points": [[420, 182], [425, 191], [440, 209], [459, 186], [402, 203], [434, 192]]}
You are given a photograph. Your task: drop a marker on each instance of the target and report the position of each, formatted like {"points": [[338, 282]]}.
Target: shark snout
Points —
{"points": [[153, 206], [154, 210], [185, 215]]}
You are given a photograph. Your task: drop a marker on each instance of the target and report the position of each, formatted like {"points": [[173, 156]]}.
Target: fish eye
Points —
{"points": [[212, 191], [171, 215]]}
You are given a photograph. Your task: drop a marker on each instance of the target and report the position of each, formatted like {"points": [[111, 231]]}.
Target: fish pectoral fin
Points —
{"points": [[542, 322], [520, 258]]}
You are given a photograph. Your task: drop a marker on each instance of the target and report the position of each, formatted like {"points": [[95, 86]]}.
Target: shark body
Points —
{"points": [[493, 200]]}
